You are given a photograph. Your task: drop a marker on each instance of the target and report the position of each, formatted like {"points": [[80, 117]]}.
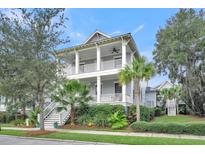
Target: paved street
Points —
{"points": [[12, 140]]}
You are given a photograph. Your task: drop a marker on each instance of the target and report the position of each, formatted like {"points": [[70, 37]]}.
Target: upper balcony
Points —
{"points": [[100, 58]]}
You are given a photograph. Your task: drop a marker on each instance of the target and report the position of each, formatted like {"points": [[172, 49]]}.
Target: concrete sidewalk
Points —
{"points": [[178, 136]]}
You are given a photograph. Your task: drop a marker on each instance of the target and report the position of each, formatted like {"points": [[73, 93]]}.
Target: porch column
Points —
{"points": [[132, 82], [124, 53], [98, 88], [98, 58], [76, 62], [123, 65]]}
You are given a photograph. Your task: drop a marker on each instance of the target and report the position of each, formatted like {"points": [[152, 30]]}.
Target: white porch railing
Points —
{"points": [[111, 97], [111, 64], [87, 68]]}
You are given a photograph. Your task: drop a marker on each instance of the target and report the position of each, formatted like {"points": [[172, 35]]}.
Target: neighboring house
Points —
{"points": [[98, 61], [151, 94]]}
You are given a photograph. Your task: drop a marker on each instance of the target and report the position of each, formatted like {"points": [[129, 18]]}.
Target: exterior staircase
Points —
{"points": [[51, 115]]}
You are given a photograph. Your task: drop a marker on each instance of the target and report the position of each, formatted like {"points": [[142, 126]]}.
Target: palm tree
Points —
{"points": [[171, 93], [72, 93], [139, 70]]}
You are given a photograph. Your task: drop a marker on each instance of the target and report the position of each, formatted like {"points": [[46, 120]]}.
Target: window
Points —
{"points": [[117, 62], [118, 88]]}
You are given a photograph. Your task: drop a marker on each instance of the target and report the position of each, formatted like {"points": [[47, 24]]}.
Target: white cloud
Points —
{"points": [[76, 37], [137, 29], [115, 32]]}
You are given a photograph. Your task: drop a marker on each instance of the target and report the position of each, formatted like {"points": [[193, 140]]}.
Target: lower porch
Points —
{"points": [[107, 89]]}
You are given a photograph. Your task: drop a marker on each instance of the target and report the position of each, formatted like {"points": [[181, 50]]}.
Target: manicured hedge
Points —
{"points": [[171, 128], [146, 114]]}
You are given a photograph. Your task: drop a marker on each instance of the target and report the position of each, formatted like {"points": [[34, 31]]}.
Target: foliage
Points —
{"points": [[97, 114], [18, 122], [106, 109], [139, 70], [171, 128], [72, 93], [28, 52], [158, 110], [82, 109], [183, 109], [171, 93], [5, 117], [147, 114], [117, 120], [84, 119], [101, 120], [179, 52], [33, 117]]}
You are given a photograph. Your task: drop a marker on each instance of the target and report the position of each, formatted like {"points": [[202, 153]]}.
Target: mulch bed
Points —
{"points": [[25, 126], [68, 126], [39, 132], [81, 127]]}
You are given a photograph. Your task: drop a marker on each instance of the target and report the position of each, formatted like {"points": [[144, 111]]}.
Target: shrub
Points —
{"points": [[6, 118], [84, 119], [82, 109], [159, 111], [146, 114], [117, 120], [106, 109], [139, 126], [33, 117], [196, 129], [18, 122], [171, 128], [101, 120]]}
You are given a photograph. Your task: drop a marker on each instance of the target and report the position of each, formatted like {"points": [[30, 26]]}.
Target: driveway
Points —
{"points": [[13, 140]]}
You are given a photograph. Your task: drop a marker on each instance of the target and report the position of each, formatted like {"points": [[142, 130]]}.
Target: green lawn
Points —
{"points": [[179, 119], [111, 139]]}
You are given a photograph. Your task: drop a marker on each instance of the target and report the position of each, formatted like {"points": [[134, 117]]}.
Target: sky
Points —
{"points": [[143, 24]]}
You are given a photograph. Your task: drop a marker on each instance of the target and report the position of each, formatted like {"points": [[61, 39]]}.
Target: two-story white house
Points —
{"points": [[98, 61]]}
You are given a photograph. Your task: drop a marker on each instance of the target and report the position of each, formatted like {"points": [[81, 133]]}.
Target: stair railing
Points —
{"points": [[63, 116], [49, 109]]}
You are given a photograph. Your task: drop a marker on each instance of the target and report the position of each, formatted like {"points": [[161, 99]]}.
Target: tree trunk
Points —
{"points": [[72, 115], [41, 102], [137, 94]]}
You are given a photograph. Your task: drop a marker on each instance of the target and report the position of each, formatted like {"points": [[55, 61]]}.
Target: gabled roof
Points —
{"points": [[127, 36], [96, 36], [166, 84]]}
